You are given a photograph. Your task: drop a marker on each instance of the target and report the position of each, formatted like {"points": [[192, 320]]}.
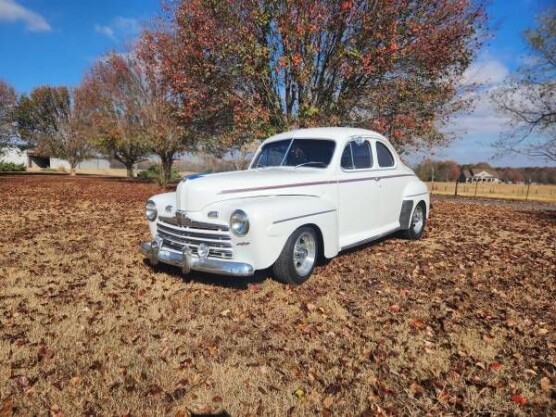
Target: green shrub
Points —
{"points": [[154, 172], [11, 167]]}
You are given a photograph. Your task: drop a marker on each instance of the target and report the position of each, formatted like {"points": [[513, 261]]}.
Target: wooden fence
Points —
{"points": [[531, 192]]}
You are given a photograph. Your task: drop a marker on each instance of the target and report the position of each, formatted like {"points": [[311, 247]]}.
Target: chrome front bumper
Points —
{"points": [[156, 253]]}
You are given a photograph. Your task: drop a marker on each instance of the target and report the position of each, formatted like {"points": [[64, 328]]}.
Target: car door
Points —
{"points": [[391, 184], [357, 193]]}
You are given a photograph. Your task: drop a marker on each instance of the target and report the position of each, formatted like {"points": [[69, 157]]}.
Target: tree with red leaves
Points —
{"points": [[132, 112], [242, 69], [114, 95]]}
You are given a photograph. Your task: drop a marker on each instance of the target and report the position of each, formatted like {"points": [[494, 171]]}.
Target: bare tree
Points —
{"points": [[529, 99]]}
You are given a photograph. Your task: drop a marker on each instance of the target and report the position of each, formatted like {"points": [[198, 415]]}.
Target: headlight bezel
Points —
{"points": [[240, 218], [150, 210]]}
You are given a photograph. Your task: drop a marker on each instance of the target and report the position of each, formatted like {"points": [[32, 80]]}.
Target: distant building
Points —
{"points": [[32, 160], [476, 175]]}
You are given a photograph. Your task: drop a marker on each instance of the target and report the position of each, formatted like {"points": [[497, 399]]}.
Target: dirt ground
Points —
{"points": [[459, 323]]}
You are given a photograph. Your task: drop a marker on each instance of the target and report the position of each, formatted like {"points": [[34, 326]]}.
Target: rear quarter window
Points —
{"points": [[384, 156]]}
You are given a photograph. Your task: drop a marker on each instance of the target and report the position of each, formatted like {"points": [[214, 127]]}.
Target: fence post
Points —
{"points": [[456, 192], [528, 186], [476, 186]]}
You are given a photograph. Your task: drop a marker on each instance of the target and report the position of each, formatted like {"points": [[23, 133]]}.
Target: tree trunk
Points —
{"points": [[73, 166], [167, 161], [129, 169]]}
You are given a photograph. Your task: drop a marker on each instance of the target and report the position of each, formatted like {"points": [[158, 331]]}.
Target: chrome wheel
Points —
{"points": [[304, 253], [418, 220]]}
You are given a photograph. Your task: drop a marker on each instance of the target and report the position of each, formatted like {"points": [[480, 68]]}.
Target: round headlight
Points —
{"points": [[150, 210], [239, 223]]}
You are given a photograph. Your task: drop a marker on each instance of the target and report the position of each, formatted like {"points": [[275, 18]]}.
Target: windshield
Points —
{"points": [[314, 153]]}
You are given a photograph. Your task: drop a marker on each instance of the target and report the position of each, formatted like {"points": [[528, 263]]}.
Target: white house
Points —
{"points": [[31, 160], [477, 175]]}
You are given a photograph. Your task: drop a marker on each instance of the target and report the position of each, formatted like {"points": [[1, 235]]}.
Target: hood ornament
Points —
{"points": [[191, 177], [182, 219]]}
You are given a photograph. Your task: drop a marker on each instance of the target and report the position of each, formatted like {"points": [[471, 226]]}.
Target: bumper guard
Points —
{"points": [[156, 252]]}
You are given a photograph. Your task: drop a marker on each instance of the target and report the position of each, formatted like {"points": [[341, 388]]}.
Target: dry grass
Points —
{"points": [[459, 323], [537, 192]]}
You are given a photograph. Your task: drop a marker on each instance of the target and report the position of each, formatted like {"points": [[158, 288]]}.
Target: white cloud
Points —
{"points": [[11, 11], [480, 128], [483, 119], [485, 73], [120, 27], [483, 77], [105, 30]]}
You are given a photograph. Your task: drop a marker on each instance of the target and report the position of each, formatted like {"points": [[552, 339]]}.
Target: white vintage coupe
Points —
{"points": [[308, 194]]}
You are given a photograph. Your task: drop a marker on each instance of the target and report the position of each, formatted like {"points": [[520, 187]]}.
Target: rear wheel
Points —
{"points": [[417, 223], [298, 258]]}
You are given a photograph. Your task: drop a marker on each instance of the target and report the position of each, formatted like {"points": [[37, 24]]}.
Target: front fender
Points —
{"points": [[165, 206], [273, 219]]}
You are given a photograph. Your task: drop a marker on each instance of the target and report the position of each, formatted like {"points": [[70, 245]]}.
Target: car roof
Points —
{"points": [[334, 133]]}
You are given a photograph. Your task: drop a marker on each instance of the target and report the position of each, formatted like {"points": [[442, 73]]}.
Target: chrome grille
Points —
{"points": [[216, 237]]}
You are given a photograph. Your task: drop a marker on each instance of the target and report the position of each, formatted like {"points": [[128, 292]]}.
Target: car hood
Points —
{"points": [[197, 191]]}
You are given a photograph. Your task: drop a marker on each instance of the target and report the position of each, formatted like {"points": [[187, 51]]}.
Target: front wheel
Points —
{"points": [[417, 224], [298, 258]]}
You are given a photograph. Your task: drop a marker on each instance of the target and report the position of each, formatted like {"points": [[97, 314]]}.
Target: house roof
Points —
{"points": [[482, 173], [466, 173], [476, 172]]}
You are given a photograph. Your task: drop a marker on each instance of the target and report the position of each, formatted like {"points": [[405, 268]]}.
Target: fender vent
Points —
{"points": [[405, 214]]}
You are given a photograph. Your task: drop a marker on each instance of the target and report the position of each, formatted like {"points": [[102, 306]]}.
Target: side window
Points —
{"points": [[347, 158], [362, 156], [384, 156], [357, 155]]}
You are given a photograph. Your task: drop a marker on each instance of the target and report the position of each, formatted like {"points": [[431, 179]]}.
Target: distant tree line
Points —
{"points": [[450, 171], [538, 175], [443, 171]]}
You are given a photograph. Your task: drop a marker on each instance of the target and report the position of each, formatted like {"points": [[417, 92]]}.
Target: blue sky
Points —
{"points": [[55, 41]]}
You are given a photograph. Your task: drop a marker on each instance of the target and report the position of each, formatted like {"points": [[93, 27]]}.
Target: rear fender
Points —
{"points": [[415, 192]]}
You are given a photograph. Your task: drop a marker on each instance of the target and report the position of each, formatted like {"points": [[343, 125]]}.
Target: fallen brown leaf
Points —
{"points": [[545, 384], [328, 401], [7, 409]]}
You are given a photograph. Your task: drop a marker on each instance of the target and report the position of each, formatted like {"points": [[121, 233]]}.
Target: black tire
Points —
{"points": [[416, 228], [296, 271]]}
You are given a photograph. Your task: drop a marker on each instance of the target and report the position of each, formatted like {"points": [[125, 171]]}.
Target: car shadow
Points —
{"points": [[217, 414], [238, 283]]}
